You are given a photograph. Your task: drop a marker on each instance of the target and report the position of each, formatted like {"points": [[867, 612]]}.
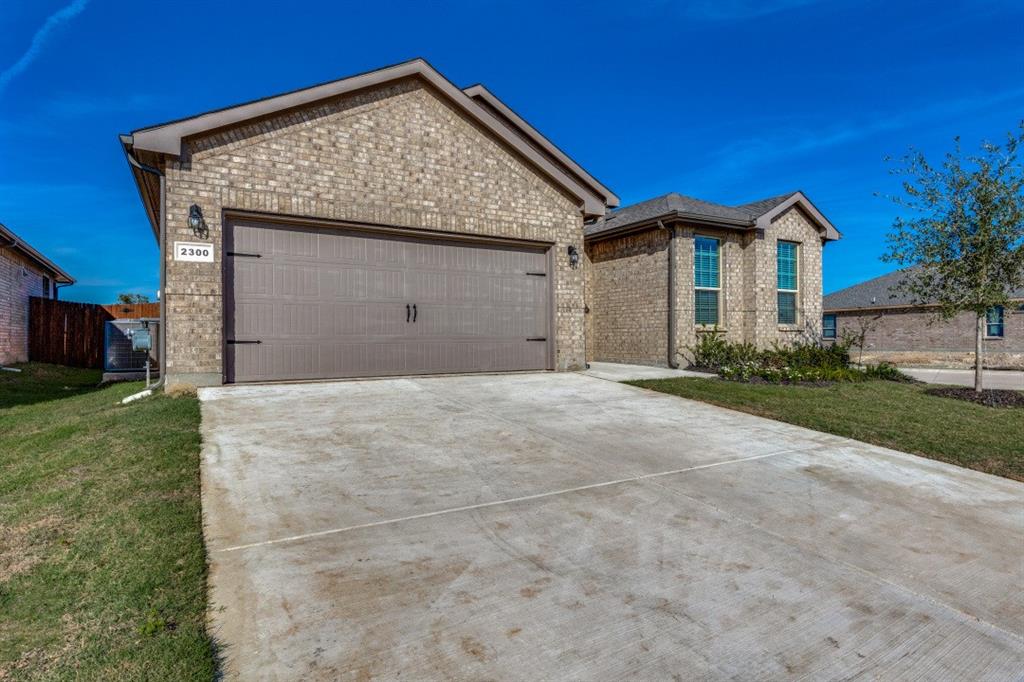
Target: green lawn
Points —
{"points": [[898, 416], [102, 564]]}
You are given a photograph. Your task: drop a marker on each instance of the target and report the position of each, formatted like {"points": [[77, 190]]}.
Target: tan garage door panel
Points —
{"points": [[312, 303]]}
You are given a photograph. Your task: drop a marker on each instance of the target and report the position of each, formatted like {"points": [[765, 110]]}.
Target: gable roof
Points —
{"points": [[490, 102], [879, 292], [675, 206], [12, 241], [167, 138]]}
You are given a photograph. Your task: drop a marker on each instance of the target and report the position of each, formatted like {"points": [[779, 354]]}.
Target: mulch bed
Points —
{"points": [[990, 397]]}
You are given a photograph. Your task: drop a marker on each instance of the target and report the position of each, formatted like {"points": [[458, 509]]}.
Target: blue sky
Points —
{"points": [[727, 100]]}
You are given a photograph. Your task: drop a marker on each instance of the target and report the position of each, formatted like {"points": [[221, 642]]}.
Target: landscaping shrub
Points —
{"points": [[713, 352], [888, 372], [800, 363]]}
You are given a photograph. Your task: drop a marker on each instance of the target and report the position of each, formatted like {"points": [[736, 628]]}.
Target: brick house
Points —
{"points": [[900, 332], [668, 269], [392, 223], [24, 272]]}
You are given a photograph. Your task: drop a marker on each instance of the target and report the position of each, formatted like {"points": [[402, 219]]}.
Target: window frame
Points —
{"points": [[717, 289], [46, 286], [796, 277], [1001, 323], [835, 326]]}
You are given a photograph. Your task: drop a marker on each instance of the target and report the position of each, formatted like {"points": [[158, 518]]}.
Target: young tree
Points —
{"points": [[964, 237], [128, 299]]}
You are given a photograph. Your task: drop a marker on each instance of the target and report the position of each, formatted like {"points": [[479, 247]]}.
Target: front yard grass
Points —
{"points": [[102, 564], [898, 416]]}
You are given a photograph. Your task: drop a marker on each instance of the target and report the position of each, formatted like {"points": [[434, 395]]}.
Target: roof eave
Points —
{"points": [[481, 91], [28, 251], [168, 138], [673, 216], [830, 233]]}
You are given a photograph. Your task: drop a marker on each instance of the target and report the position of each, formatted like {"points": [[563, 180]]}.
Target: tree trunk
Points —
{"points": [[978, 353]]}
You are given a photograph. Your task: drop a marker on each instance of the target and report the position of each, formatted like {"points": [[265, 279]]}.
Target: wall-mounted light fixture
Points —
{"points": [[574, 256], [196, 222]]}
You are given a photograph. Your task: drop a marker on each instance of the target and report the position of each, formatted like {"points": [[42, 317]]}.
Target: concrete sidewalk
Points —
{"points": [[614, 371], [1003, 379]]}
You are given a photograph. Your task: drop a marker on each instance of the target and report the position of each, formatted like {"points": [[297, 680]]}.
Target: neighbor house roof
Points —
{"points": [[880, 292], [12, 241], [675, 206], [167, 138]]}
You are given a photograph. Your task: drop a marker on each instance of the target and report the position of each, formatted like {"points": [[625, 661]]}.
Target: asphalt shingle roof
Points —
{"points": [[879, 292], [685, 206]]}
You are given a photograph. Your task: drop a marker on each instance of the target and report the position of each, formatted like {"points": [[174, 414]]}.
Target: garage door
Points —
{"points": [[315, 303]]}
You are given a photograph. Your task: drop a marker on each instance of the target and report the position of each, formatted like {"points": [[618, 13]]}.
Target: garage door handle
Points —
{"points": [[413, 312], [238, 341]]}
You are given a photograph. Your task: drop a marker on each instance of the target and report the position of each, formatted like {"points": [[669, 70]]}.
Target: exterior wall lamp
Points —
{"points": [[197, 222], [574, 256]]}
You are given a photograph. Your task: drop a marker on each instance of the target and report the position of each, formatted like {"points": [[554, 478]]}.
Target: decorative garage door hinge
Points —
{"points": [[237, 341], [244, 255], [537, 338], [537, 274]]}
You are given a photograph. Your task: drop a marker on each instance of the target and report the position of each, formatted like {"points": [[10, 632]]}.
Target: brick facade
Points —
{"points": [[913, 337], [396, 154], [19, 279], [627, 291]]}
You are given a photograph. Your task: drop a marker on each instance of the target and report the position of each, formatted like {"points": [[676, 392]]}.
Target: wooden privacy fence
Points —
{"points": [[133, 311], [71, 334]]}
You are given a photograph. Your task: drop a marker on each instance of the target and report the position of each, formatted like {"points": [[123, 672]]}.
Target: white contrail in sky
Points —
{"points": [[39, 40]]}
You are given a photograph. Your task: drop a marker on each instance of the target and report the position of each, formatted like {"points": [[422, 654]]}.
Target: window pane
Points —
{"points": [[705, 262], [994, 320], [787, 308], [787, 265], [706, 306], [828, 326]]}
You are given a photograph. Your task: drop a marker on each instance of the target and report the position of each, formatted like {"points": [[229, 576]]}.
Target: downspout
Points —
{"points": [[671, 294], [162, 229]]}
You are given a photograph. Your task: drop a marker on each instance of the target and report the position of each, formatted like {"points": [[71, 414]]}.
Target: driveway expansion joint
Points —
{"points": [[497, 503]]}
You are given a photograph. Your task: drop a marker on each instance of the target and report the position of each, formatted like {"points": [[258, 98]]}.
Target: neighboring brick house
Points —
{"points": [[751, 272], [24, 272], [897, 331], [391, 223]]}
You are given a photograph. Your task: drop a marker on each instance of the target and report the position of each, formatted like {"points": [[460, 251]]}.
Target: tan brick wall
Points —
{"points": [[792, 226], [15, 289], [628, 299], [393, 155], [912, 337], [627, 293]]}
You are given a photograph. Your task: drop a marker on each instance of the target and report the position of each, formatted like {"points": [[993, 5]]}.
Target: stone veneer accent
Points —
{"points": [[913, 337], [15, 290], [627, 290], [397, 154]]}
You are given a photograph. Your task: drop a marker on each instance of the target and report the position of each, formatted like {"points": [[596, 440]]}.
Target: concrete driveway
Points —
{"points": [[560, 526]]}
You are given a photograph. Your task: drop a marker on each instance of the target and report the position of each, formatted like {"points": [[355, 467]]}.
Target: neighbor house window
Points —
{"points": [[706, 279], [788, 285], [994, 321], [46, 287], [828, 326]]}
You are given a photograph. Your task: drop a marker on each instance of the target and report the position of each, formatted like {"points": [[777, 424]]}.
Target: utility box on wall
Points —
{"points": [[129, 346]]}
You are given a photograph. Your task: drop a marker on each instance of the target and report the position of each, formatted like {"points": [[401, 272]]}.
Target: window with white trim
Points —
{"points": [[828, 326], [706, 280], [994, 322], [788, 268]]}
